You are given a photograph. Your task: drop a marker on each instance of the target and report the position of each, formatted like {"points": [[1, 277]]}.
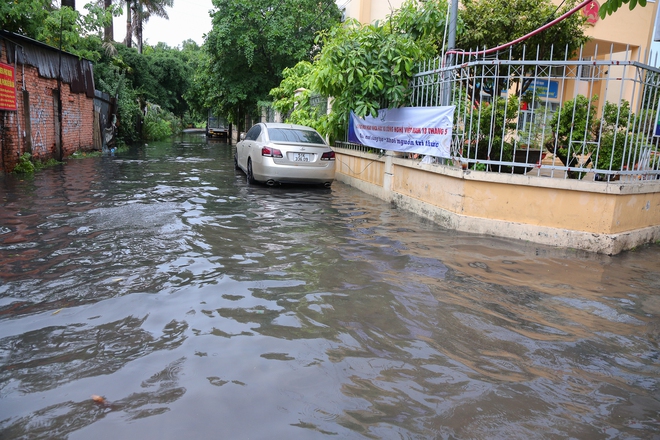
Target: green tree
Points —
{"points": [[115, 76], [292, 97], [25, 17], [492, 23], [611, 6], [367, 67], [364, 67], [156, 79], [138, 12], [171, 72], [252, 42], [108, 30], [142, 11], [75, 32], [200, 94]]}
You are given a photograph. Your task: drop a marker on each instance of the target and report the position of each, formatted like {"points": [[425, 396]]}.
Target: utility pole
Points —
{"points": [[453, 19], [451, 45]]}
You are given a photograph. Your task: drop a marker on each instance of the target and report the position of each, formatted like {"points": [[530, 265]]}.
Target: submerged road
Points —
{"points": [[192, 305]]}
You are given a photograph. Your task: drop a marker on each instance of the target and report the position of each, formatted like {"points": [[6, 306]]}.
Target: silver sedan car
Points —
{"points": [[273, 153]]}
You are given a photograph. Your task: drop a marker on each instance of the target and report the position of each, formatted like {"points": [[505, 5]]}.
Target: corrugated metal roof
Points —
{"points": [[50, 61]]}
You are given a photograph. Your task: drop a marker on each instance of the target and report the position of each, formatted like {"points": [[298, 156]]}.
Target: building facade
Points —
{"points": [[51, 114], [368, 11], [544, 204], [625, 30]]}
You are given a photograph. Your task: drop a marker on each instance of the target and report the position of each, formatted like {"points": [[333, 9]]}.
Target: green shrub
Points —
{"points": [[39, 165], [25, 165], [157, 124]]}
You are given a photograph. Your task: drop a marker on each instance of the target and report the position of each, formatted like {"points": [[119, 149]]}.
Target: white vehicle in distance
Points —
{"points": [[274, 153]]}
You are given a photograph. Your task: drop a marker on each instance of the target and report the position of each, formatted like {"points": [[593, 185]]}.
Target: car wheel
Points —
{"points": [[250, 176], [236, 167]]}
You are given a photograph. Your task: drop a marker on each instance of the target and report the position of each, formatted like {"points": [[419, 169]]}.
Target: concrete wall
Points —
{"points": [[595, 216], [39, 135]]}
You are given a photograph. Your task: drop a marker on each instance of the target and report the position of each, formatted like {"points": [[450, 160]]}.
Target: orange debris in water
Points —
{"points": [[98, 399]]}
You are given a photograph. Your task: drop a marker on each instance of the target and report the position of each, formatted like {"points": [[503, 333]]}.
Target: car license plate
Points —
{"points": [[302, 157]]}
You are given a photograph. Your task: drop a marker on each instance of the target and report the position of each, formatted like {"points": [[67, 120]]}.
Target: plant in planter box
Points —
{"points": [[572, 129], [625, 140], [496, 124], [613, 135]]}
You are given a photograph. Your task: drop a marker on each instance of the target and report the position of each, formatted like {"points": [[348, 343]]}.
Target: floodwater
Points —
{"points": [[201, 307]]}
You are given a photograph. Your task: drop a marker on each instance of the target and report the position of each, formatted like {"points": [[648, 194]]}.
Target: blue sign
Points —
{"points": [[545, 88]]}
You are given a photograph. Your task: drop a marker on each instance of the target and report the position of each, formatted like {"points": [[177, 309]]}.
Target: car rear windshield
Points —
{"points": [[294, 135]]}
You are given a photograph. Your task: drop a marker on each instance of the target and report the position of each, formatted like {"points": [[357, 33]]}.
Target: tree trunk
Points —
{"points": [[139, 19], [69, 3], [108, 30], [128, 41]]}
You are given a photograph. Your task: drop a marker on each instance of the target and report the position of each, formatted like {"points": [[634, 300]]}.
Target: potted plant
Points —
{"points": [[572, 129]]}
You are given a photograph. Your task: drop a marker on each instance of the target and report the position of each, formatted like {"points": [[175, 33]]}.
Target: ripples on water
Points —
{"points": [[202, 307]]}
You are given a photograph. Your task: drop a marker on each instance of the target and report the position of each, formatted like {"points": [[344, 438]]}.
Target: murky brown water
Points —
{"points": [[201, 307]]}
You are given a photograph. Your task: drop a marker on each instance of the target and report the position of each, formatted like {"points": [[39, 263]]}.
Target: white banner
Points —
{"points": [[423, 130]]}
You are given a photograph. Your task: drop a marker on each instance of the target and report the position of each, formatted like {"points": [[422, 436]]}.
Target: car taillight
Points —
{"points": [[330, 155], [271, 152]]}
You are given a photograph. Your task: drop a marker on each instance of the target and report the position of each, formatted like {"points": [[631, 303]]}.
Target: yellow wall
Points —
{"points": [[559, 212], [368, 11], [582, 210], [367, 170], [624, 27]]}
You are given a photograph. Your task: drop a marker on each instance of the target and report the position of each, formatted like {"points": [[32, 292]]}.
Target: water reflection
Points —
{"points": [[196, 303]]}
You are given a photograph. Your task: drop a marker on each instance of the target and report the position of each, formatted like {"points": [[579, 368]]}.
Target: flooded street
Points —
{"points": [[201, 307]]}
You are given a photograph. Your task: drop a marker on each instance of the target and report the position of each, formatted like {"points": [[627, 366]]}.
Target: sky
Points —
{"points": [[189, 19]]}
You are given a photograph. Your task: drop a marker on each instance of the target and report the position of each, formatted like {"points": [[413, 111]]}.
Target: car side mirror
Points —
{"points": [[242, 136]]}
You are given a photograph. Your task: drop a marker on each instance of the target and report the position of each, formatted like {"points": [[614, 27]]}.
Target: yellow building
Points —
{"points": [[606, 216], [624, 36], [368, 11], [625, 29]]}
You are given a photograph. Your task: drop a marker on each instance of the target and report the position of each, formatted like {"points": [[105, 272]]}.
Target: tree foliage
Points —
{"points": [[58, 27], [611, 6], [74, 31], [365, 67], [252, 42], [24, 17], [140, 12], [157, 79], [292, 98], [491, 23], [201, 93]]}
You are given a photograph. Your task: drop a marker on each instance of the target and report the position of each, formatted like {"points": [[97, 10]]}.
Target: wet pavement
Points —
{"points": [[193, 305]]}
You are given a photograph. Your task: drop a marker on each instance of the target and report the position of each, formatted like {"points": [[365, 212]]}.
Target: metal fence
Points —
{"points": [[590, 117]]}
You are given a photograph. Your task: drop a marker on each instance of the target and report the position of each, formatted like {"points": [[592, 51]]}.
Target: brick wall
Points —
{"points": [[77, 119]]}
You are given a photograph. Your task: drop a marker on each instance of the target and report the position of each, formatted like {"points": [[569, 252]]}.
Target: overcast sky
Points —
{"points": [[189, 19]]}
